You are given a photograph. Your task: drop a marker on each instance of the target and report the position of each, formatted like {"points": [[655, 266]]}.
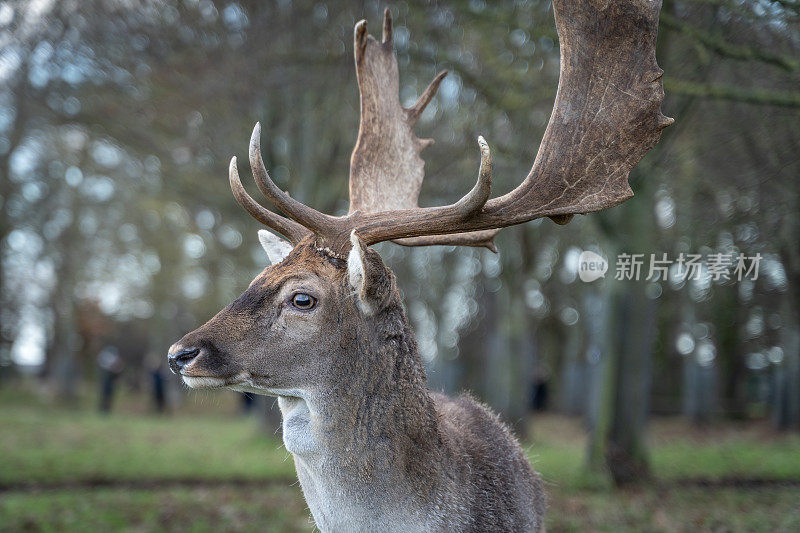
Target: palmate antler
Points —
{"points": [[386, 170], [606, 116]]}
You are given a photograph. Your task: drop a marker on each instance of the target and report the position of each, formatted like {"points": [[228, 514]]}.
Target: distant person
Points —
{"points": [[111, 366], [539, 384], [155, 370]]}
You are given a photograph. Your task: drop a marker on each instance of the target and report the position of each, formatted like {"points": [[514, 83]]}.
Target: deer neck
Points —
{"points": [[379, 397], [366, 448]]}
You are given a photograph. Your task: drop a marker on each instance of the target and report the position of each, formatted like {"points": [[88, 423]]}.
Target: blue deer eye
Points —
{"points": [[303, 302]]}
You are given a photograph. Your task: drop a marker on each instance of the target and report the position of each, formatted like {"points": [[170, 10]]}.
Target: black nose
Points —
{"points": [[181, 358]]}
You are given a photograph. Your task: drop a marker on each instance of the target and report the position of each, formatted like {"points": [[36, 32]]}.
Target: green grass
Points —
{"points": [[677, 452], [176, 509], [676, 509], [775, 460], [210, 469], [48, 446]]}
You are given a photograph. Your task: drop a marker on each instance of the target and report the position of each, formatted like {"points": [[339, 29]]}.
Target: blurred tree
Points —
{"points": [[117, 120]]}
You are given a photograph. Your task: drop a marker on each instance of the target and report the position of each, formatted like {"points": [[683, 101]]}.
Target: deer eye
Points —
{"points": [[303, 301]]}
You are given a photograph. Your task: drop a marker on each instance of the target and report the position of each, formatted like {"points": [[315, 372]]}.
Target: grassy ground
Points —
{"points": [[208, 470]]}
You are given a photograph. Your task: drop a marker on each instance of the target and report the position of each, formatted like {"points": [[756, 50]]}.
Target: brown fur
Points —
{"points": [[450, 460]]}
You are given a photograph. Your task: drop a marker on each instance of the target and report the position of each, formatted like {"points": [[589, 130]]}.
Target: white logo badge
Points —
{"points": [[591, 266]]}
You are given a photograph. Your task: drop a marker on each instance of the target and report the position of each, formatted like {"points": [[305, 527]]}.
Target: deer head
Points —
{"points": [[300, 320], [292, 329]]}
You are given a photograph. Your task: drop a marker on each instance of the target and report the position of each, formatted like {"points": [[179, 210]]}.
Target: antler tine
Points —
{"points": [[306, 216], [425, 98], [387, 28], [403, 224], [475, 239], [360, 39], [290, 229], [474, 200]]}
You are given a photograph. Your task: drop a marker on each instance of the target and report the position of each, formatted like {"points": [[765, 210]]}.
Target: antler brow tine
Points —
{"points": [[290, 229], [297, 211]]}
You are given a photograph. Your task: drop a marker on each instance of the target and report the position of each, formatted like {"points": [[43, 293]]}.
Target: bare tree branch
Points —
{"points": [[726, 49], [729, 92]]}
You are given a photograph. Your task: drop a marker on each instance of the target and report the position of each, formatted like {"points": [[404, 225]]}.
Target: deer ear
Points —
{"points": [[277, 249], [369, 278]]}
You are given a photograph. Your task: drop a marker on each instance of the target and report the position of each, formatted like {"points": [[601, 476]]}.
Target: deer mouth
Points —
{"points": [[242, 382], [214, 382]]}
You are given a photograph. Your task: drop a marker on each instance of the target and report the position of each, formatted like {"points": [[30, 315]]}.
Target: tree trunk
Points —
{"points": [[626, 455], [519, 368], [618, 438], [598, 322], [786, 391], [62, 352]]}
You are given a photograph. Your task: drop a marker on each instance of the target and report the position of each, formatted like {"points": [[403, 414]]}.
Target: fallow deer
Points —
{"points": [[323, 328]]}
